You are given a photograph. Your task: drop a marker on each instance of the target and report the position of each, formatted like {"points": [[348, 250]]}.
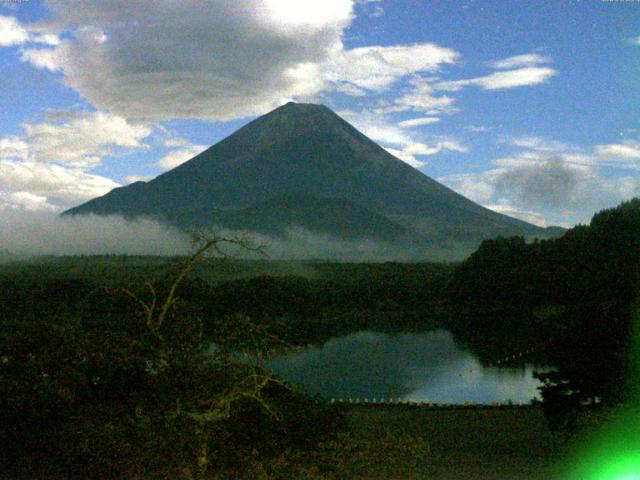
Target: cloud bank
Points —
{"points": [[216, 60], [37, 233], [548, 182], [42, 233], [398, 139], [13, 33]]}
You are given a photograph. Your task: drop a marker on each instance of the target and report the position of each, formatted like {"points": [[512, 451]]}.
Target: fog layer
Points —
{"points": [[44, 233], [37, 233]]}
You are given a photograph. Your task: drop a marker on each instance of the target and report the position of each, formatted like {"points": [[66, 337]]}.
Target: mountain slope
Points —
{"points": [[333, 216], [241, 182]]}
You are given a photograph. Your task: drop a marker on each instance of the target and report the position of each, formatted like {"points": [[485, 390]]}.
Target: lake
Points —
{"points": [[418, 367]]}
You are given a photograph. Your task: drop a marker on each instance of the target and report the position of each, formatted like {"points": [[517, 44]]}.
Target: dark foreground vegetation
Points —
{"points": [[104, 375], [491, 444], [404, 443], [124, 367], [135, 389]]}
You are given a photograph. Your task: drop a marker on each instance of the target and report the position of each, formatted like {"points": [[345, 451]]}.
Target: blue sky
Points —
{"points": [[529, 108]]}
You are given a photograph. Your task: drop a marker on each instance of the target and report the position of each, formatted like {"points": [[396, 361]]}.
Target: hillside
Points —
{"points": [[570, 302], [302, 165]]}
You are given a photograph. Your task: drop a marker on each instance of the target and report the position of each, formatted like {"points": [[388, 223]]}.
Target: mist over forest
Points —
{"points": [[29, 234]]}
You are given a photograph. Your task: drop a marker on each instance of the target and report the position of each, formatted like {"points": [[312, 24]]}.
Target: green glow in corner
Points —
{"points": [[613, 452]]}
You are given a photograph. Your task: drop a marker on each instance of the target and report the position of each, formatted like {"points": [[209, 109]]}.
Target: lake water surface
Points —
{"points": [[422, 367]]}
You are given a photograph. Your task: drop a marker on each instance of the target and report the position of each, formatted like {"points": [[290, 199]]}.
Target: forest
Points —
{"points": [[133, 367], [124, 367], [571, 301]]}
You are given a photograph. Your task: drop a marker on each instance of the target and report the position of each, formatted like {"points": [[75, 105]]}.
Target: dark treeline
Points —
{"points": [[333, 299], [343, 298], [571, 299]]}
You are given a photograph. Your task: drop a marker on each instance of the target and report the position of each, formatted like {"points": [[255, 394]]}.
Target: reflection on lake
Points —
{"points": [[425, 367]]}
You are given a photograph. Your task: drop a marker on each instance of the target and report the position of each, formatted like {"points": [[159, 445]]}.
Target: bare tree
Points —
{"points": [[206, 409]]}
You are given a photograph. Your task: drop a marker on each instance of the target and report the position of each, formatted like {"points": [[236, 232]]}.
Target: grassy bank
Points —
{"points": [[458, 444]]}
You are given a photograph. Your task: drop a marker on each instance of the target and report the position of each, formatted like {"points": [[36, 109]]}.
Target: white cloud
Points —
{"points": [[550, 192], [531, 217], [377, 128], [626, 151], [556, 182], [176, 142], [376, 68], [48, 167], [423, 149], [295, 15], [45, 58], [13, 147], [137, 178], [423, 94], [526, 60], [61, 186], [504, 79], [407, 158], [421, 98], [45, 233], [211, 60], [178, 157], [538, 144], [351, 90], [636, 40], [616, 155], [408, 153], [216, 59], [416, 122], [81, 139], [478, 187], [25, 201], [396, 140], [452, 145], [12, 33], [44, 38]]}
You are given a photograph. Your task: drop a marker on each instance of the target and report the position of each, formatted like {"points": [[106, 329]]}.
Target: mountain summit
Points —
{"points": [[302, 165]]}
